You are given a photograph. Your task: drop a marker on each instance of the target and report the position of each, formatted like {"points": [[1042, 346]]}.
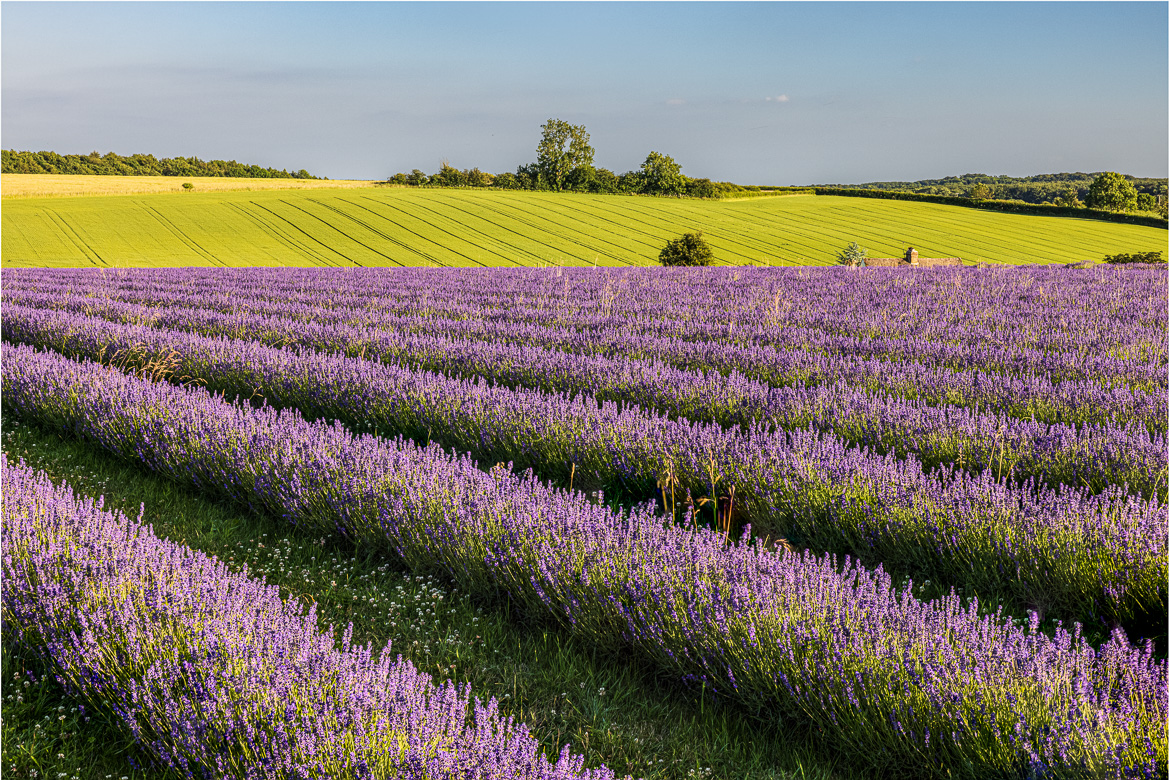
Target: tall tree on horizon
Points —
{"points": [[562, 149]]}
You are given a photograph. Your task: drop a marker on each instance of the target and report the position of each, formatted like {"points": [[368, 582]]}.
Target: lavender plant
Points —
{"points": [[216, 675], [1094, 455], [653, 372], [1065, 552], [889, 679], [1034, 321]]}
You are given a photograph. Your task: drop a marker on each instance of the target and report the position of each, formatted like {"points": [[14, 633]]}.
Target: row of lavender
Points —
{"points": [[801, 358], [696, 393], [1066, 552], [1023, 396], [1095, 455], [756, 355], [1109, 311], [216, 674], [887, 677]]}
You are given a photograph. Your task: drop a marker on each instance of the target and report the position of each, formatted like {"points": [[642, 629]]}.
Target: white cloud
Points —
{"points": [[778, 99]]}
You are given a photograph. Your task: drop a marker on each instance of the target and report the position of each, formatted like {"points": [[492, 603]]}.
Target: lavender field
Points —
{"points": [[917, 515]]}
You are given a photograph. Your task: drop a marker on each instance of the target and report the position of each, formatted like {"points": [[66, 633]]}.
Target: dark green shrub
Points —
{"points": [[1136, 257], [506, 181], [701, 188], [689, 249], [604, 180]]}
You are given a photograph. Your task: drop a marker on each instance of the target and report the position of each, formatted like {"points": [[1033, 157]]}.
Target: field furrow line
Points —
{"points": [[180, 235], [314, 257], [670, 226], [535, 221], [75, 238], [293, 226], [380, 233], [558, 250], [341, 232], [456, 238], [490, 245]]}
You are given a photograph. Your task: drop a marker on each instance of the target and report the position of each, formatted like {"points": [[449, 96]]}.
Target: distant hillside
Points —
{"points": [[1042, 188], [94, 164]]}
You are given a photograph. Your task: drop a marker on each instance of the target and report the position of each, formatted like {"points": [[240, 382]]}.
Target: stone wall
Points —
{"points": [[901, 262]]}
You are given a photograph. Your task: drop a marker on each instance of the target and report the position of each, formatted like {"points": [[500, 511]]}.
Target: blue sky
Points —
{"points": [[755, 93]]}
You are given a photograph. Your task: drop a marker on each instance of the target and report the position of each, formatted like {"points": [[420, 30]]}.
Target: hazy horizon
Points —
{"points": [[755, 93]]}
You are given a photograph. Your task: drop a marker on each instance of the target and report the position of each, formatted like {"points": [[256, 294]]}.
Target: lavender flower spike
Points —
{"points": [[216, 675]]}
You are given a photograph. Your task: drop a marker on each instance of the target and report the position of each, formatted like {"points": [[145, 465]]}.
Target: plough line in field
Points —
{"points": [[180, 235], [560, 251], [266, 226], [333, 227], [538, 228], [76, 239]]}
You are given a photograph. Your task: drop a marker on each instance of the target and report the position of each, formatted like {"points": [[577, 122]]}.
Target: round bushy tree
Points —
{"points": [[660, 175], [1113, 192], [688, 249]]}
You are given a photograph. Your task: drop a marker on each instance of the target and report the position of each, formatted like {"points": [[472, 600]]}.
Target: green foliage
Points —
{"points": [[1015, 207], [604, 181], [1042, 188], [852, 255], [630, 182], [188, 185], [94, 164], [529, 178], [1069, 198], [981, 191], [398, 178], [660, 175], [580, 179], [1135, 257], [1112, 192], [1146, 202], [449, 176], [701, 188], [417, 178], [506, 181], [690, 249], [478, 178], [563, 149]]}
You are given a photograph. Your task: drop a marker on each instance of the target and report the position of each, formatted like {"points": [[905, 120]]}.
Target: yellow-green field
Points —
{"points": [[404, 226], [40, 185]]}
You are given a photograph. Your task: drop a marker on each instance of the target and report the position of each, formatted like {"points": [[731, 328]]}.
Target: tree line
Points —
{"points": [[564, 163], [1071, 190], [110, 164]]}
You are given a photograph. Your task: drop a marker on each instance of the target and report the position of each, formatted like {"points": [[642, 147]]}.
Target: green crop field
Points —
{"points": [[447, 227]]}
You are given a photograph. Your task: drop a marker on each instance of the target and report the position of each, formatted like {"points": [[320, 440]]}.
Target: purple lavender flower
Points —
{"points": [[216, 675]]}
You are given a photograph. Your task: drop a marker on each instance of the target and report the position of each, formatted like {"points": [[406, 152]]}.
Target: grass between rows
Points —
{"points": [[613, 709]]}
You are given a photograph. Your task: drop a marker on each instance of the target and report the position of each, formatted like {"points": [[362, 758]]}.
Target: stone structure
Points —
{"points": [[910, 259]]}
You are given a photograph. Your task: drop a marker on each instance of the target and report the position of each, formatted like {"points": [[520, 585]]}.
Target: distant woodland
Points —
{"points": [[1056, 188], [94, 164]]}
